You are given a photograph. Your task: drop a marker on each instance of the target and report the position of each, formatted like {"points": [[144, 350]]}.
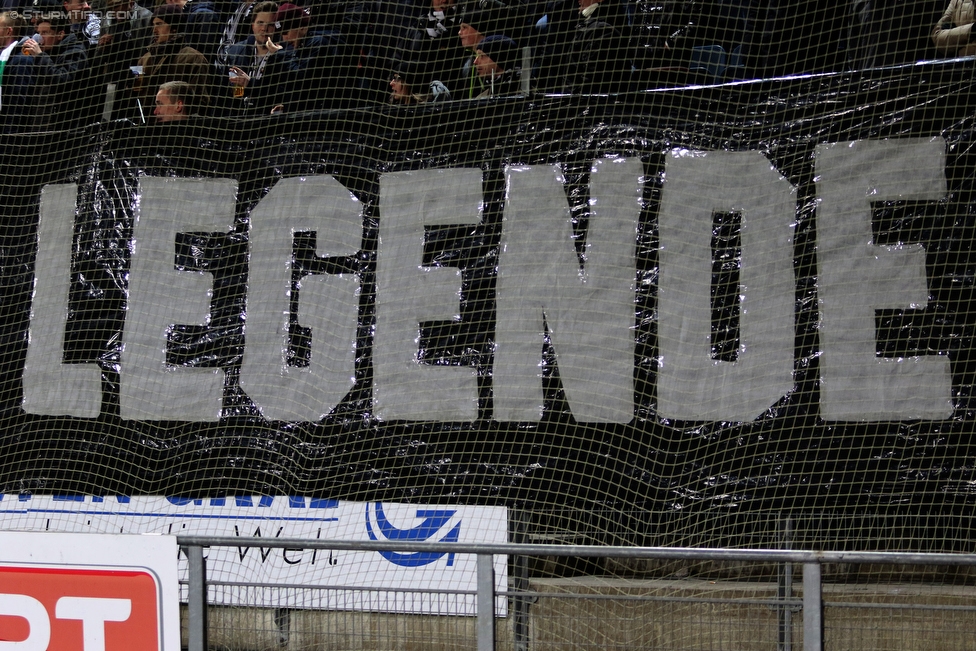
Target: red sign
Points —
{"points": [[67, 609]]}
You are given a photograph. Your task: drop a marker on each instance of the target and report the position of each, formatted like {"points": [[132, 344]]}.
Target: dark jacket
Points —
{"points": [[432, 48], [507, 83], [204, 28], [241, 55], [128, 40], [318, 74], [599, 58], [173, 60], [67, 62], [553, 39], [17, 95], [66, 98]]}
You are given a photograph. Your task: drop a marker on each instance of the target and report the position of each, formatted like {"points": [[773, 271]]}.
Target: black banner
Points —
{"points": [[646, 481]]}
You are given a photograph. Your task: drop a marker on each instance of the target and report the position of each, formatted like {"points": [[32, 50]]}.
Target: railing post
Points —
{"points": [[486, 603], [520, 584], [785, 591], [197, 599], [812, 608]]}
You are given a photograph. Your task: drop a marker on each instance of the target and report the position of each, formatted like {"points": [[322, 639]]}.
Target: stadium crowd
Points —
{"points": [[65, 63]]}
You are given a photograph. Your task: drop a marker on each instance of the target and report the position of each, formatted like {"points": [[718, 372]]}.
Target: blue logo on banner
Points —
{"points": [[433, 522]]}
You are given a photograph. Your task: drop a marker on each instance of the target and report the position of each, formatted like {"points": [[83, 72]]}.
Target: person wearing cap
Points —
{"points": [[309, 72], [403, 87], [476, 25], [169, 58], [293, 21], [496, 63]]}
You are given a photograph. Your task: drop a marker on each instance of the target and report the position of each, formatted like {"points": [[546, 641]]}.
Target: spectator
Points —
{"points": [[203, 26], [246, 59], [308, 72], [402, 89], [82, 21], [12, 27], [496, 63], [126, 31], [476, 25], [293, 21], [553, 36], [952, 35], [16, 76], [432, 47], [363, 29], [472, 31], [175, 101], [125, 18], [169, 58], [599, 58], [47, 29], [384, 31], [61, 73]]}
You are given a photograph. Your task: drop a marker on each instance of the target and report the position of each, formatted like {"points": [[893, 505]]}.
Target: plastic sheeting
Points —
{"points": [[693, 451]]}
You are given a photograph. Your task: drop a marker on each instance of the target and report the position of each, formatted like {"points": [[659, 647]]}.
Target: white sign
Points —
{"points": [[386, 581], [89, 592]]}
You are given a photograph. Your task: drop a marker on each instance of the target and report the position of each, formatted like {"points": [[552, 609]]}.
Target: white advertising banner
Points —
{"points": [[349, 580], [89, 592]]}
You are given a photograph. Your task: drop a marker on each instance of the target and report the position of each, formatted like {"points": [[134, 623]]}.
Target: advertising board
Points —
{"points": [[88, 592], [351, 580]]}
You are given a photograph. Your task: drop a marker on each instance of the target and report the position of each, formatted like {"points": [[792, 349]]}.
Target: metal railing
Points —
{"points": [[812, 604]]}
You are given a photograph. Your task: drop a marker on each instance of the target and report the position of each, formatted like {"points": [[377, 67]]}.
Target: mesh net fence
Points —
{"points": [[643, 272]]}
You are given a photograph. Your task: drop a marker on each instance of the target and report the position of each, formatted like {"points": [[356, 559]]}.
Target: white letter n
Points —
{"points": [[589, 311]]}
